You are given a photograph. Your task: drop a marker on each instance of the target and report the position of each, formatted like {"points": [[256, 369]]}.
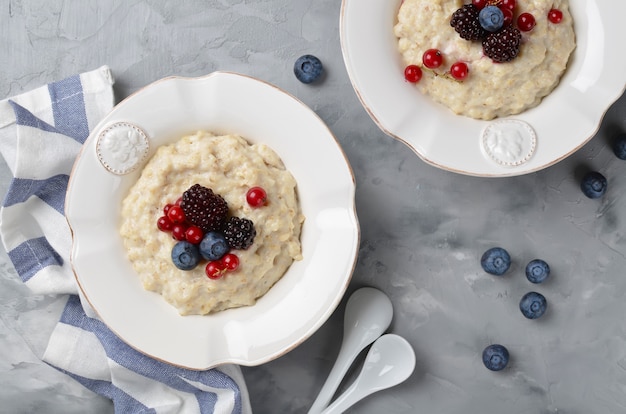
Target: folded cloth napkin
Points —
{"points": [[41, 132]]}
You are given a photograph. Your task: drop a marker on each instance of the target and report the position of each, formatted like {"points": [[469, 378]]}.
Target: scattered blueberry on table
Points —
{"points": [[185, 255], [533, 305], [495, 357], [496, 261], [308, 68], [537, 271], [593, 184], [619, 146]]}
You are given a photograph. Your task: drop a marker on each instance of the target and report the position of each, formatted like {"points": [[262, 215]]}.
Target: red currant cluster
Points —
{"points": [[433, 59], [215, 269]]}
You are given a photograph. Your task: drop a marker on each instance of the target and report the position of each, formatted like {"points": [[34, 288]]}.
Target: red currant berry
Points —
{"points": [[178, 231], [167, 208], [508, 16], [525, 22], [230, 261], [509, 4], [413, 73], [214, 269], [479, 4], [459, 70], [256, 197], [164, 223], [194, 234], [432, 58], [555, 16], [178, 201], [176, 214]]}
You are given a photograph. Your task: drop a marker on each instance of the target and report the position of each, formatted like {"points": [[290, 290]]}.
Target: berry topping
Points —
{"points": [[204, 208], [185, 255], [508, 16], [496, 261], [215, 269], [619, 146], [503, 46], [413, 73], [256, 197], [555, 16], [432, 58], [308, 68], [164, 223], [213, 246], [526, 22], [495, 357], [507, 4], [230, 261], [593, 185], [178, 231], [459, 70], [239, 233], [176, 214], [537, 271], [533, 305], [479, 4], [194, 234], [491, 18], [466, 24], [167, 208]]}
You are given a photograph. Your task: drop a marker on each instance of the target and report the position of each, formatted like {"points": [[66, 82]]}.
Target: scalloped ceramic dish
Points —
{"points": [[563, 122], [306, 295]]}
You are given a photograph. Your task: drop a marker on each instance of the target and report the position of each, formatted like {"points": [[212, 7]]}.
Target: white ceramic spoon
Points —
{"points": [[390, 361], [367, 316]]}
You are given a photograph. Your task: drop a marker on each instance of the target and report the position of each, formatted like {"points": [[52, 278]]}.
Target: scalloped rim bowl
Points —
{"points": [[298, 304], [563, 122]]}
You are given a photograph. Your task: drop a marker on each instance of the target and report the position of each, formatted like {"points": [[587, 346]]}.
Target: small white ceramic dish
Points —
{"points": [[563, 122], [298, 304]]}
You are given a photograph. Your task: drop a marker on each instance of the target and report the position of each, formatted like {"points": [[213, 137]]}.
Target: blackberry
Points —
{"points": [[239, 233], [465, 22], [204, 208], [504, 45]]}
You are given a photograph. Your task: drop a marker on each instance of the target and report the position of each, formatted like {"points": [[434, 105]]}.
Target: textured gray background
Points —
{"points": [[423, 229]]}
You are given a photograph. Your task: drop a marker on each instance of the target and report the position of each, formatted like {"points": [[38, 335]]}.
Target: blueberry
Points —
{"points": [[533, 305], [491, 18], [496, 261], [619, 146], [537, 271], [185, 255], [308, 68], [593, 185], [213, 246], [495, 357]]}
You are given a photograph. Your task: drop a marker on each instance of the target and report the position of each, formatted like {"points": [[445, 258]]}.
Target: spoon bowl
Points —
{"points": [[390, 361], [367, 316]]}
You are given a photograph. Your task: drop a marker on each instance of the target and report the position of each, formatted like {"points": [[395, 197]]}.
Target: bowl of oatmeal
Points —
{"points": [[499, 119], [227, 132]]}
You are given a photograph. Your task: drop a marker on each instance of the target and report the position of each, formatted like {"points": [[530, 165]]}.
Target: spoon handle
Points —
{"points": [[340, 368], [347, 399]]}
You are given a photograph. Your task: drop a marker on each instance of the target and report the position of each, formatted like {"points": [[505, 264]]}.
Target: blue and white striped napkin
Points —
{"points": [[41, 132]]}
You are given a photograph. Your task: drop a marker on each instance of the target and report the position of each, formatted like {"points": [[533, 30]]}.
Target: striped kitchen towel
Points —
{"points": [[41, 132]]}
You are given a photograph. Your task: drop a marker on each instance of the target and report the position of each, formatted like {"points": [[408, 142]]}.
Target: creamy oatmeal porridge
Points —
{"points": [[228, 165], [490, 89]]}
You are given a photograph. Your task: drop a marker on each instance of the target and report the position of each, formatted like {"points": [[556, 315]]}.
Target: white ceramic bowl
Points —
{"points": [[298, 304], [563, 122]]}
